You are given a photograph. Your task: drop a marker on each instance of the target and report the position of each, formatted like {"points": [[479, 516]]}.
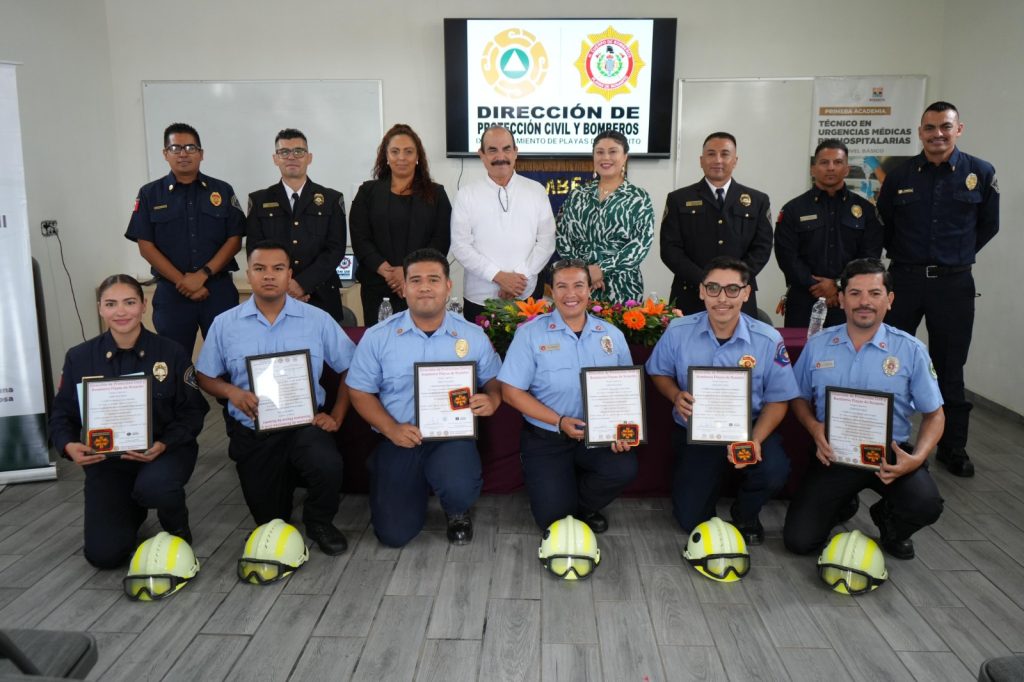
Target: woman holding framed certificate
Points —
{"points": [[569, 467], [128, 411]]}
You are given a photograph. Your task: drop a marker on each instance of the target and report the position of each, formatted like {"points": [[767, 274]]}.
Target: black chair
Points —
{"points": [[46, 654]]}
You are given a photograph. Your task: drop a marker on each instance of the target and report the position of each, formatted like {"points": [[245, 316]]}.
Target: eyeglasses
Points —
{"points": [[296, 152], [179, 148], [503, 198], [568, 263], [731, 290]]}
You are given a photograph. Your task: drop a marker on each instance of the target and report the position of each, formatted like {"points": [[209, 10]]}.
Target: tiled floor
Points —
{"points": [[488, 612]]}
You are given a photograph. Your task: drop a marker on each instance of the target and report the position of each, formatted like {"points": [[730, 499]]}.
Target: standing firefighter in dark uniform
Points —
{"points": [[189, 227], [714, 217], [939, 209], [308, 217], [819, 232]]}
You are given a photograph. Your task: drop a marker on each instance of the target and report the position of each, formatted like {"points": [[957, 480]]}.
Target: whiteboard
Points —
{"points": [[237, 122], [771, 120]]}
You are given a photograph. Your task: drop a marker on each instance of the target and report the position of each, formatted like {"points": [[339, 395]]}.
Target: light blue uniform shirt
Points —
{"points": [[243, 331], [383, 363], [690, 342], [546, 357], [892, 361]]}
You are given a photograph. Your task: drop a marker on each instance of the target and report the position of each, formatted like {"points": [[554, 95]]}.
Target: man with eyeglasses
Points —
{"points": [[503, 231], [723, 336], [867, 354], [939, 209], [310, 218], [714, 217], [189, 227]]}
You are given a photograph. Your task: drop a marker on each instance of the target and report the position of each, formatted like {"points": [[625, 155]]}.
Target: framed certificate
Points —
{"points": [[858, 425], [117, 414], [284, 384], [722, 406], [442, 391], [614, 405]]}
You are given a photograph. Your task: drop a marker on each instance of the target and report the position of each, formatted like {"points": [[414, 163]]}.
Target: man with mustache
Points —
{"points": [[714, 217], [503, 231], [939, 209], [819, 232], [867, 354]]}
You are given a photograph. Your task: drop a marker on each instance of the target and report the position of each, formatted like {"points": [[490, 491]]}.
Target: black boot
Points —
{"points": [[901, 549], [956, 460]]}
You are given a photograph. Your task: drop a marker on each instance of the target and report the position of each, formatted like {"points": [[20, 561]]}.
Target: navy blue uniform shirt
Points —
{"points": [[187, 223], [939, 215], [178, 406], [818, 234]]}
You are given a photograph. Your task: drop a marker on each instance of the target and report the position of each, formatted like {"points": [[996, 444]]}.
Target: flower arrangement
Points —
{"points": [[642, 323], [501, 318]]}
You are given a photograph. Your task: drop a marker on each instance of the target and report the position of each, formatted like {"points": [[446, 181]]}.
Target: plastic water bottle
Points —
{"points": [[385, 311], [818, 313]]}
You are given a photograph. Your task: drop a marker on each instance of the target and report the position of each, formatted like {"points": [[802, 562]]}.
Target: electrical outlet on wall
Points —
{"points": [[48, 227]]}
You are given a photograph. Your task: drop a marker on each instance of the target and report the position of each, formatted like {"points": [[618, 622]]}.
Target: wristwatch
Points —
{"points": [[207, 270]]}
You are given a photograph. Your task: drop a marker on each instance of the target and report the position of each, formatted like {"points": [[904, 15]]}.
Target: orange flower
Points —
{"points": [[634, 319], [652, 308], [530, 308]]}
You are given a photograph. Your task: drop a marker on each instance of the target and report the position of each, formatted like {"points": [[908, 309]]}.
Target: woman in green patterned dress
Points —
{"points": [[609, 223]]}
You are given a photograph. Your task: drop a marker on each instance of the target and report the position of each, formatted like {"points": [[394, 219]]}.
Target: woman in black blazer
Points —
{"points": [[401, 210]]}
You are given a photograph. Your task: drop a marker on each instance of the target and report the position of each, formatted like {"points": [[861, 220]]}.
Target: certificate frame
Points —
{"points": [[463, 367], [97, 431], [833, 392], [592, 440], [253, 364], [693, 374]]}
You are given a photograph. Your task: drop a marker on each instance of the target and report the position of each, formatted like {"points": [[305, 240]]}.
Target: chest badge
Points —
{"points": [[748, 361], [606, 345], [856, 210], [971, 181], [216, 199], [318, 199], [462, 348], [745, 200], [160, 371], [891, 365]]}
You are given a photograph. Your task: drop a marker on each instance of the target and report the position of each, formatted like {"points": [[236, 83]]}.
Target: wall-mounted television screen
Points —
{"points": [[555, 83]]}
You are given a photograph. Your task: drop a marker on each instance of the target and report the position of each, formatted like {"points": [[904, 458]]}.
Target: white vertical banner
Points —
{"points": [[24, 454], [876, 117]]}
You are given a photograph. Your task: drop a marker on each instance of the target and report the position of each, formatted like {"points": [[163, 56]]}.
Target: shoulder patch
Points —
{"points": [[781, 355], [235, 203], [190, 377], [995, 185]]}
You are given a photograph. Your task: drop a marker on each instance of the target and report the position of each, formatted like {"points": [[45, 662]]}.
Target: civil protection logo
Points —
{"points": [[609, 63], [514, 63]]}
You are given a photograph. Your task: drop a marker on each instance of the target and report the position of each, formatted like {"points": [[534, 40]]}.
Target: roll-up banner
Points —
{"points": [[24, 454], [876, 117]]}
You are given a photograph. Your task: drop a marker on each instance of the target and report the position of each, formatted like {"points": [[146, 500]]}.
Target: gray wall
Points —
{"points": [[84, 61]]}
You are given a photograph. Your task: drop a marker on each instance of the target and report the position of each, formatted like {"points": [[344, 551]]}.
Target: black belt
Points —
{"points": [[543, 433], [930, 271]]}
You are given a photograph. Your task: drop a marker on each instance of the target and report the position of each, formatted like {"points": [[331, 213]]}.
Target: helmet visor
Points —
{"points": [[563, 564], [855, 582], [262, 572], [721, 565], [151, 587]]}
